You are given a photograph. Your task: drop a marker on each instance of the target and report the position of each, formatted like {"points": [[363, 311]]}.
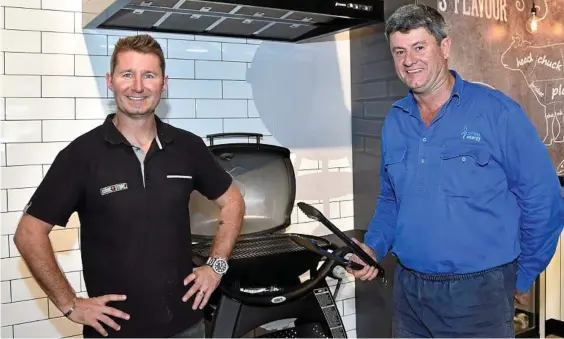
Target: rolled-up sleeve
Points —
{"points": [[534, 182]]}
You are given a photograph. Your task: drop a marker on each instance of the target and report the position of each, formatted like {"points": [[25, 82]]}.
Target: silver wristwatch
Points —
{"points": [[219, 265]]}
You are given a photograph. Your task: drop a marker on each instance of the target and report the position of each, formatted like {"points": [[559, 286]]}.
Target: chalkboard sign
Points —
{"points": [[491, 45]]}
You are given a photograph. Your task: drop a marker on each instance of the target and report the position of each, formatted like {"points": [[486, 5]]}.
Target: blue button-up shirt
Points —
{"points": [[473, 190]]}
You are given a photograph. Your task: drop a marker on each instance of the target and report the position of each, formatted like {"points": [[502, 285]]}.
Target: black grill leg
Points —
{"points": [[225, 320], [323, 310]]}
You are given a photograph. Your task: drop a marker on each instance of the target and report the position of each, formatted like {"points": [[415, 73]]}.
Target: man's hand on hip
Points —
{"points": [[368, 272], [205, 282], [90, 311]]}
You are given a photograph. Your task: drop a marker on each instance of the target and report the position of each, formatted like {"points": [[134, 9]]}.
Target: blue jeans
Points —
{"points": [[456, 306]]}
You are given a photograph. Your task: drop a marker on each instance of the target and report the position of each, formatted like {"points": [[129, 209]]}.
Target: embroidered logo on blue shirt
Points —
{"points": [[466, 135]]}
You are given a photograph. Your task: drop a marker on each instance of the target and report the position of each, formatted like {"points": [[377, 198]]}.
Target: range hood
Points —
{"points": [[276, 20]]}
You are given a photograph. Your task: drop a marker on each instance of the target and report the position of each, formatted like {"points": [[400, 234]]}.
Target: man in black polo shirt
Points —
{"points": [[130, 180]]}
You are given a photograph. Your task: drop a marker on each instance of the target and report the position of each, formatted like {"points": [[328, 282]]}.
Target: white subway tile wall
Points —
{"points": [[53, 90]]}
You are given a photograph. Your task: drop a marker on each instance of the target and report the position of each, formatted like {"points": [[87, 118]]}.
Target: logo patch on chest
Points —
{"points": [[113, 188], [468, 135]]}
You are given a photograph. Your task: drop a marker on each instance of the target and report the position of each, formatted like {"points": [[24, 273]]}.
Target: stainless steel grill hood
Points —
{"points": [[277, 20]]}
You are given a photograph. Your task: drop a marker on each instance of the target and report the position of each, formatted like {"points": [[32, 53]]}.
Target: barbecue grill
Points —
{"points": [[263, 283]]}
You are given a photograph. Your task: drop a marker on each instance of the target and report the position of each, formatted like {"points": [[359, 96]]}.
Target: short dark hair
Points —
{"points": [[414, 16], [142, 43]]}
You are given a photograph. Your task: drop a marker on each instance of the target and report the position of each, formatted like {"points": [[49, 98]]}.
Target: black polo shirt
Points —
{"points": [[135, 226]]}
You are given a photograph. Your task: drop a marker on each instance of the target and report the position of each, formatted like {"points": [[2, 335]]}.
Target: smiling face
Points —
{"points": [[137, 82], [419, 60]]}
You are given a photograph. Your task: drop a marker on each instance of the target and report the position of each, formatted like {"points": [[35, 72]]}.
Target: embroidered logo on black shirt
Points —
{"points": [[113, 188]]}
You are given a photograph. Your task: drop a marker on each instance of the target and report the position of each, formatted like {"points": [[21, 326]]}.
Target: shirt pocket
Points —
{"points": [[465, 170], [179, 185], [395, 163]]}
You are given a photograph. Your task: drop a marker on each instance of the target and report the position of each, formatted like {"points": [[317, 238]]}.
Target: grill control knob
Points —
{"points": [[339, 272]]}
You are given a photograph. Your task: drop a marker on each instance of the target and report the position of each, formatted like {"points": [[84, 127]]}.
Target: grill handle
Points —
{"points": [[257, 136]]}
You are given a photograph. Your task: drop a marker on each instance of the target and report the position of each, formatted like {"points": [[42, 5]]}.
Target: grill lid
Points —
{"points": [[264, 174]]}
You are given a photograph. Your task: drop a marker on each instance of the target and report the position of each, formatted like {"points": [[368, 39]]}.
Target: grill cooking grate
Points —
{"points": [[260, 246]]}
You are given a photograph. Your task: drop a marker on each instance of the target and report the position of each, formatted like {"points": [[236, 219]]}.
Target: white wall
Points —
{"points": [[53, 90]]}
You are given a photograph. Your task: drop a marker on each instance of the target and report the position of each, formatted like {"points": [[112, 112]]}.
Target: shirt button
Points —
{"points": [[422, 161], [424, 139], [463, 158]]}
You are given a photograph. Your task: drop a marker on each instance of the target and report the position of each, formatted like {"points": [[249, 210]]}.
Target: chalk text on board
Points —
{"points": [[488, 9]]}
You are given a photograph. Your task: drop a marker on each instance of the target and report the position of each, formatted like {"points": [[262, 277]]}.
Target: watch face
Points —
{"points": [[220, 266]]}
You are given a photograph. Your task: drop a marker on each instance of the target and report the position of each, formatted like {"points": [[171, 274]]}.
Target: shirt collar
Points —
{"points": [[408, 102], [114, 136]]}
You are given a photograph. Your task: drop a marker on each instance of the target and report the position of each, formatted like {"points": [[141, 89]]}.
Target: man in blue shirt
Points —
{"points": [[470, 202]]}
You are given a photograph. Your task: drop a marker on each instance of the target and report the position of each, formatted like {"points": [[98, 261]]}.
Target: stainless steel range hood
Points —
{"points": [[277, 20]]}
